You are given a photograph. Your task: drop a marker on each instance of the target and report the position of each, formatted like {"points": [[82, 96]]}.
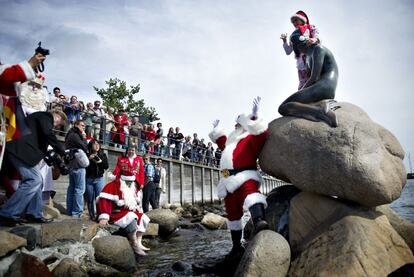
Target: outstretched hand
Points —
{"points": [[256, 103], [216, 123]]}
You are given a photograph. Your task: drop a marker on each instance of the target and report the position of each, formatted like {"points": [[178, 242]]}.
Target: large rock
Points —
{"points": [[354, 246], [268, 254], [27, 232], [68, 267], [213, 221], [114, 251], [10, 242], [68, 230], [28, 265], [166, 219], [152, 230], [105, 271], [359, 160]]}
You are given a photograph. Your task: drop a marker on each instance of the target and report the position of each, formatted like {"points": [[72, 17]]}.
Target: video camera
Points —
{"points": [[54, 159], [44, 52]]}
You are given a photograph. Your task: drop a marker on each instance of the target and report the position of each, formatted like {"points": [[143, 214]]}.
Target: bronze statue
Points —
{"points": [[315, 101]]}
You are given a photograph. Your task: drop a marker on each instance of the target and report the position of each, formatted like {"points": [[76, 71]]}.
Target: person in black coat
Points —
{"points": [[76, 139], [24, 154]]}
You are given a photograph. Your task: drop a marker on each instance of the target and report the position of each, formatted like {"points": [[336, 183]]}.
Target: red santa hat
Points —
{"points": [[301, 15], [126, 173]]}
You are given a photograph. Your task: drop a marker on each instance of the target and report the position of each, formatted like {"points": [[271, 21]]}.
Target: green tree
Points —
{"points": [[118, 96]]}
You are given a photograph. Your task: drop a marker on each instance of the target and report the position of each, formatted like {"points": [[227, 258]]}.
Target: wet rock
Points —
{"points": [[105, 271], [187, 215], [213, 221], [358, 161], [180, 266], [179, 211], [10, 242], [195, 211], [354, 246], [89, 231], [68, 267], [152, 230], [174, 206], [114, 251], [166, 219], [67, 231], [28, 265], [268, 254], [50, 259], [64, 250], [27, 232], [166, 206]]}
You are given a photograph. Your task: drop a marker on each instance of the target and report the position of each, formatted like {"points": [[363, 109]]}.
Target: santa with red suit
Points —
{"points": [[134, 162], [241, 181], [118, 204]]}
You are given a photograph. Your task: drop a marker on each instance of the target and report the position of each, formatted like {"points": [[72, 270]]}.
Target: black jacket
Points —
{"points": [[74, 140], [31, 149], [95, 170]]}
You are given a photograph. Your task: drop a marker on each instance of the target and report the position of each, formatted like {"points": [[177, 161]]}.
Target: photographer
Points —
{"points": [[25, 154], [94, 174]]}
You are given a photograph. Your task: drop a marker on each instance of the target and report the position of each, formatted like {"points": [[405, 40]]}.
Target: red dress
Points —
{"points": [[137, 168]]}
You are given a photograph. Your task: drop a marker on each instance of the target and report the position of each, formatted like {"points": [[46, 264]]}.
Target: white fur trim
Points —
{"points": [[232, 183], [127, 178], [108, 196], [216, 134], [234, 225], [126, 220], [103, 216], [120, 203], [28, 70], [300, 17], [254, 198], [226, 161], [111, 176], [254, 127], [143, 223], [221, 189]]}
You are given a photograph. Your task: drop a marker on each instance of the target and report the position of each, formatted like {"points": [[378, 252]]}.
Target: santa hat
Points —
{"points": [[39, 80], [126, 173], [301, 15]]}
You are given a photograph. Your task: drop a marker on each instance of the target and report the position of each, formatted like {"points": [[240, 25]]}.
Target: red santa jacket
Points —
{"points": [[137, 167], [10, 74], [112, 207], [240, 151]]}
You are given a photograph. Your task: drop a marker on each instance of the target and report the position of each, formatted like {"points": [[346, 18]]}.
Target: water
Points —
{"points": [[404, 205]]}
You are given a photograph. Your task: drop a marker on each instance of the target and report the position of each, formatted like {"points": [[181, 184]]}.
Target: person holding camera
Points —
{"points": [[25, 154], [98, 163]]}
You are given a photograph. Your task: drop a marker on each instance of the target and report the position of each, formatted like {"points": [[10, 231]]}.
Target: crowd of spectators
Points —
{"points": [[119, 129]]}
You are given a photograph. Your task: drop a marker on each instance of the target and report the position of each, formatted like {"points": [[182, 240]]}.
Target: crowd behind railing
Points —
{"points": [[119, 129]]}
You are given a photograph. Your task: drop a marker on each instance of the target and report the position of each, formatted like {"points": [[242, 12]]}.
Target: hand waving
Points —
{"points": [[216, 123], [256, 103]]}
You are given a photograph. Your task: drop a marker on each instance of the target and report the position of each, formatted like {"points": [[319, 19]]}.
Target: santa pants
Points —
{"points": [[246, 195]]}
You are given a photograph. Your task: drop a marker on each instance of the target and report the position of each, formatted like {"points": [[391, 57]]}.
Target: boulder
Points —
{"points": [[166, 219], [213, 221], [28, 265], [89, 231], [268, 254], [105, 271], [68, 230], [114, 251], [152, 230], [27, 232], [10, 242], [354, 246], [359, 160], [68, 267]]}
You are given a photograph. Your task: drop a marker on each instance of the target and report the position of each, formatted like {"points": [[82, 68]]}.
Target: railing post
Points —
{"points": [[193, 184], [182, 183], [202, 185], [211, 185], [170, 177]]}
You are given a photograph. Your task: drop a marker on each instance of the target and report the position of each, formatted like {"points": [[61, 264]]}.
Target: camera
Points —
{"points": [[44, 52], [96, 158], [54, 160]]}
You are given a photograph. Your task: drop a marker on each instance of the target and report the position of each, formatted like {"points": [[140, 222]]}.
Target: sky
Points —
{"points": [[197, 61]]}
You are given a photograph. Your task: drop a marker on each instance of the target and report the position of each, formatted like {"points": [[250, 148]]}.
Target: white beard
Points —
{"points": [[129, 194], [34, 99], [236, 135]]}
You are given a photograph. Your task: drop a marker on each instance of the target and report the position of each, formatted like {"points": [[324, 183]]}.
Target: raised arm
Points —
{"points": [[217, 135]]}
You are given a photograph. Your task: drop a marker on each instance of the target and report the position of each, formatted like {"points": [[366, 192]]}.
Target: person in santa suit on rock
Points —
{"points": [[241, 181], [118, 204]]}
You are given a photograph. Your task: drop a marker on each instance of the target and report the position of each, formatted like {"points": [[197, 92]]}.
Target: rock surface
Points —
{"points": [[359, 160], [166, 219], [354, 246], [10, 242], [213, 221], [28, 265], [67, 231], [114, 251], [268, 254], [152, 230], [68, 267], [27, 232]]}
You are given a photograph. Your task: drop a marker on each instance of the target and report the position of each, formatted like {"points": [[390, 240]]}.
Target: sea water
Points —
{"points": [[404, 205]]}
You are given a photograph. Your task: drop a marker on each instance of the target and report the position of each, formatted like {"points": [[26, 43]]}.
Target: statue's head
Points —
{"points": [[298, 42]]}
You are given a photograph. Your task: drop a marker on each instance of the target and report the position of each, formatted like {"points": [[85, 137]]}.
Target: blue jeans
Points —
{"points": [[93, 189], [28, 197], [76, 189]]}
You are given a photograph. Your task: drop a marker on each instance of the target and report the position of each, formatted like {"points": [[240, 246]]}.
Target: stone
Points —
{"points": [[27, 232], [268, 254], [179, 211], [358, 161], [89, 231], [213, 221], [166, 206], [166, 219], [354, 246], [68, 230], [174, 206], [195, 211], [10, 242], [105, 271], [181, 266], [50, 212], [114, 251], [28, 265], [152, 230], [68, 267]]}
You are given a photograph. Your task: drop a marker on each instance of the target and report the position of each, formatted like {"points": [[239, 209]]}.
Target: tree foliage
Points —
{"points": [[119, 96]]}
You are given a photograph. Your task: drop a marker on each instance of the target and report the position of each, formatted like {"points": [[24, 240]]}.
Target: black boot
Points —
{"points": [[237, 250], [257, 212]]}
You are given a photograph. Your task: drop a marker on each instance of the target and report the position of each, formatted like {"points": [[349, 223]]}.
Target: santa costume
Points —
{"points": [[135, 163], [11, 74], [118, 202], [241, 181]]}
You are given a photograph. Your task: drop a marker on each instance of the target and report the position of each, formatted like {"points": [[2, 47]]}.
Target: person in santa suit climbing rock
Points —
{"points": [[241, 181], [118, 204]]}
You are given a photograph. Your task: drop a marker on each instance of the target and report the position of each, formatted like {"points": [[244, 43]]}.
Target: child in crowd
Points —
{"points": [[310, 33]]}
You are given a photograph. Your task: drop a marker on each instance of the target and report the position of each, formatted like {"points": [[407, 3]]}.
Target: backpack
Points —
{"points": [[157, 175]]}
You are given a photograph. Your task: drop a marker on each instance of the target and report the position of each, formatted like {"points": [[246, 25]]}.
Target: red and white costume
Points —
{"points": [[11, 74], [137, 166], [119, 203], [240, 152]]}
